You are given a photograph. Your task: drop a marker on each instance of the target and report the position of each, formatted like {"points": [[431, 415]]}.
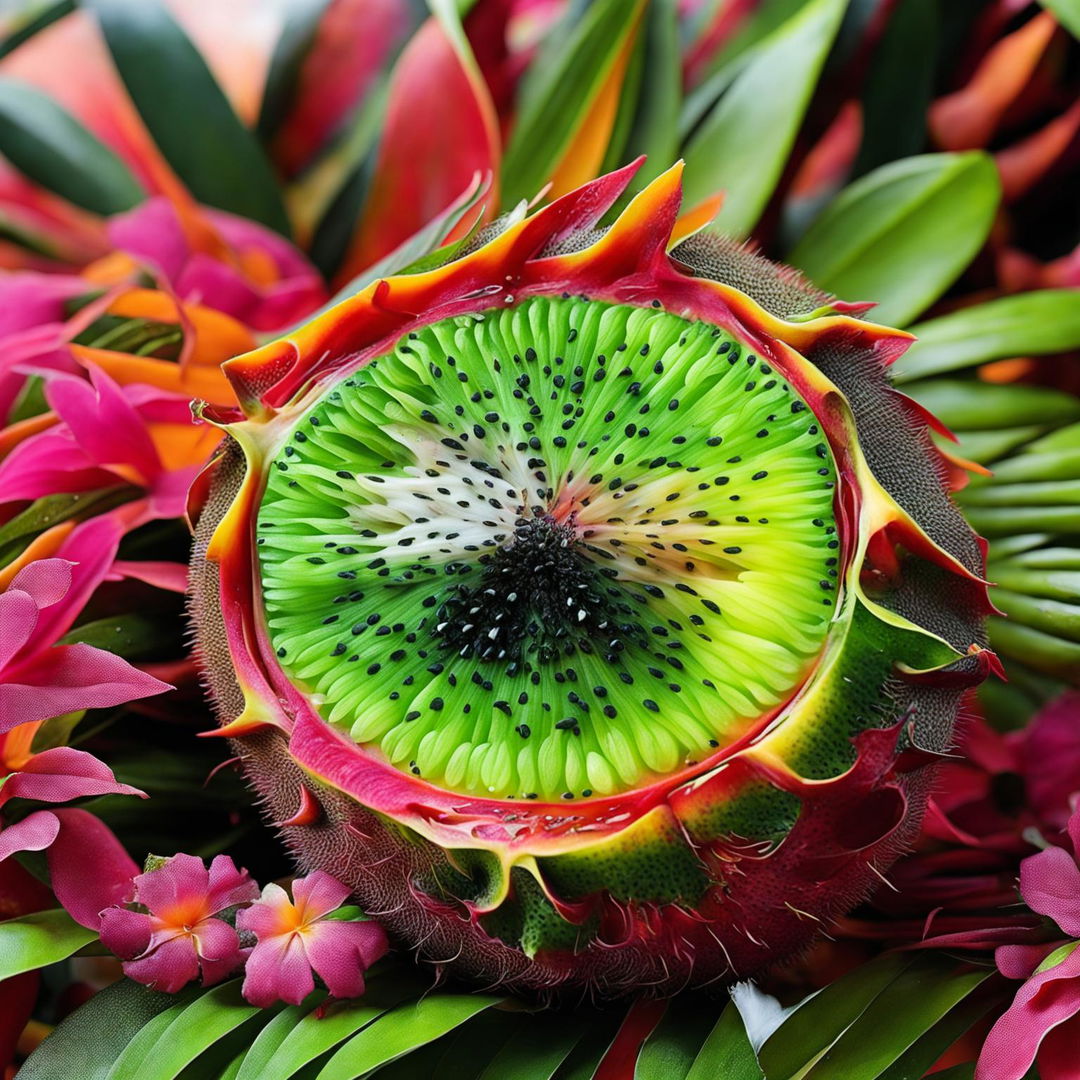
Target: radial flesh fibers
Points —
{"points": [[590, 604]]}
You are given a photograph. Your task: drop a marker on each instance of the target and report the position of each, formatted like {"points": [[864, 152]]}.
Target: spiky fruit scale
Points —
{"points": [[700, 837]]}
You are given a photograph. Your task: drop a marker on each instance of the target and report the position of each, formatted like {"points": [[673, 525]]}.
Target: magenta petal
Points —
{"points": [[18, 617], [34, 833], [340, 953], [1020, 961], [89, 869], [318, 894], [46, 581], [1041, 1004], [177, 881], [1050, 883], [1050, 749], [63, 773], [91, 548], [125, 932], [103, 422], [262, 918], [227, 885], [69, 677], [170, 967], [218, 948], [277, 970]]}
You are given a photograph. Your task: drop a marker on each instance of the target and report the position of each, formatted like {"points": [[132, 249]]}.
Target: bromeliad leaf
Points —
{"points": [[187, 113], [1067, 12], [556, 104], [901, 235], [1029, 324], [743, 143], [537, 1049], [47, 144], [727, 1051], [90, 1040], [193, 1030], [44, 937], [402, 1030], [674, 1044]]}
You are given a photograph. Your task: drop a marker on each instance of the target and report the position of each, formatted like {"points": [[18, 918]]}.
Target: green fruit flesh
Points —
{"points": [[551, 551]]}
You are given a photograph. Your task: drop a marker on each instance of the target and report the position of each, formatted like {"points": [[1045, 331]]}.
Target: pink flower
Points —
{"points": [[1044, 1018], [179, 936], [250, 273], [295, 936], [39, 679], [110, 435]]}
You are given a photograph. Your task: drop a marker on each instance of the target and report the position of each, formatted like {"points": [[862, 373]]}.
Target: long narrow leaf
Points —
{"points": [[44, 937], [901, 235], [742, 145], [727, 1053], [187, 113], [53, 149], [1030, 324], [403, 1030]]}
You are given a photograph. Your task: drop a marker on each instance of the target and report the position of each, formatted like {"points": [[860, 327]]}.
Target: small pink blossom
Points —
{"points": [[296, 936], [1043, 1021], [40, 679], [179, 936], [109, 435]]}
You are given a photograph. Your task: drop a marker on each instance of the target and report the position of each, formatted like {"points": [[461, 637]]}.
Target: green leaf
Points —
{"points": [[130, 635], [727, 1053], [674, 1043], [652, 120], [553, 103], [1029, 324], [186, 112], [196, 1028], [899, 86], [35, 17], [743, 144], [1067, 12], [901, 235], [819, 1021], [537, 1049], [44, 937], [298, 31], [975, 406], [403, 1030], [51, 510], [54, 150], [311, 1036], [88, 1042], [897, 1018]]}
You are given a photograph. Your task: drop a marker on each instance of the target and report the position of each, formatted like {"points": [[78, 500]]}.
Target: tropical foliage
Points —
{"points": [[181, 183]]}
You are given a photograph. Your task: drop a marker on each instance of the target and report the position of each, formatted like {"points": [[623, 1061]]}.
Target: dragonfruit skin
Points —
{"points": [[697, 878]]}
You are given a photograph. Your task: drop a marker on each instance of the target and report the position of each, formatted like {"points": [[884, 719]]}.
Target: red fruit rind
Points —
{"points": [[709, 872]]}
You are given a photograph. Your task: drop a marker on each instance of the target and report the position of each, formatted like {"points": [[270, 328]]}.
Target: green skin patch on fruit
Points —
{"points": [[553, 551]]}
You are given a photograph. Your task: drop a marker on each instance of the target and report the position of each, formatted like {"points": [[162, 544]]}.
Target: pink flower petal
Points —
{"points": [[60, 774], [219, 950], [169, 968], [1058, 1053], [318, 894], [46, 581], [69, 677], [91, 548], [1050, 883], [1041, 1004], [35, 832], [1020, 961], [277, 970], [18, 617], [88, 867], [171, 576], [227, 885], [340, 953], [181, 880], [263, 918], [125, 932], [103, 422], [1050, 750]]}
